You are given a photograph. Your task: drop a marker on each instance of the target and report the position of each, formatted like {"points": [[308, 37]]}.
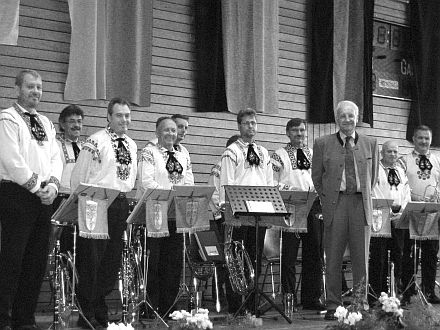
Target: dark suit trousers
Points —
{"points": [[349, 226], [164, 268], [24, 249], [378, 265], [99, 261]]}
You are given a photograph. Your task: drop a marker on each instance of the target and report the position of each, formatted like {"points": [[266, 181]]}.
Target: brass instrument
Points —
{"points": [[391, 279], [241, 271]]}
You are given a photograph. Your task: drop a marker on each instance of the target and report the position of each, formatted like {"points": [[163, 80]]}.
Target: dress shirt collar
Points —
{"points": [[417, 154], [64, 138], [341, 137]]}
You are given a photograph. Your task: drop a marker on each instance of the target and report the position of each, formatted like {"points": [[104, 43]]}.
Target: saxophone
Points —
{"points": [[241, 271]]}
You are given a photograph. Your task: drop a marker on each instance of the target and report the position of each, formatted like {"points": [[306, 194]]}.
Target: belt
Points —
{"points": [[346, 193], [122, 195], [6, 181]]}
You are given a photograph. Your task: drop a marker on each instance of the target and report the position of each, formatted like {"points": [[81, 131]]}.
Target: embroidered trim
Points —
{"points": [[55, 181], [27, 120], [243, 147], [92, 147], [122, 155], [147, 156], [232, 157], [291, 152], [64, 147], [31, 183], [215, 170], [277, 162]]}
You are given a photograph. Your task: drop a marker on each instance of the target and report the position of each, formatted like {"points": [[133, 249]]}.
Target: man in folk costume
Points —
{"points": [[70, 123], [292, 171], [161, 166], [108, 159], [392, 184], [30, 170], [423, 170], [245, 163], [344, 172]]}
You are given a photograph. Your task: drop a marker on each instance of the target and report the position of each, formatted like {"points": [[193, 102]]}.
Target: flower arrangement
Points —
{"points": [[120, 326], [198, 319]]}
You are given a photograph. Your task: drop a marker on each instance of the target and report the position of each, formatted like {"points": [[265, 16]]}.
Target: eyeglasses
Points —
{"points": [[249, 123]]}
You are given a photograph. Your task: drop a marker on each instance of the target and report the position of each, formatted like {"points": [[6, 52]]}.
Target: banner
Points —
{"points": [[9, 10]]}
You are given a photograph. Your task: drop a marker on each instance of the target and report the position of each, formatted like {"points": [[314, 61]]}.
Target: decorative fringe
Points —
{"points": [[158, 234], [93, 235], [423, 238]]}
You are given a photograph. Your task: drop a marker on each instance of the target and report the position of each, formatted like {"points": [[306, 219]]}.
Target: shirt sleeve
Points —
{"points": [[81, 172], [189, 177], [147, 170], [55, 162], [11, 159], [228, 165]]}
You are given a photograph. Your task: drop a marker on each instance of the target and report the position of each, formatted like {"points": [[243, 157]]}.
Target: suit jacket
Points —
{"points": [[328, 163]]}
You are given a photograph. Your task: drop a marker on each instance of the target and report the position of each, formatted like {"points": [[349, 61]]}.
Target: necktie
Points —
{"points": [[350, 174], [301, 160], [393, 178], [173, 166], [36, 129], [122, 154], [252, 156], [424, 163], [76, 150]]}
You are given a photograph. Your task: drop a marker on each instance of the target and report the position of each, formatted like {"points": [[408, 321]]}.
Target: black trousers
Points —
{"points": [[24, 249], [428, 263], [98, 263], [312, 257], [378, 265], [164, 268], [247, 235]]}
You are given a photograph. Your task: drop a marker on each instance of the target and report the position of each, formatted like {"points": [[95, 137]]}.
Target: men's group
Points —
{"points": [[39, 169]]}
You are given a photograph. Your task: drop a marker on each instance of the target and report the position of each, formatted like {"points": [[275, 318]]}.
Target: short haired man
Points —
{"points": [[392, 183], [423, 170], [30, 170], [108, 159], [344, 172], [245, 163], [161, 166], [70, 124], [292, 170]]}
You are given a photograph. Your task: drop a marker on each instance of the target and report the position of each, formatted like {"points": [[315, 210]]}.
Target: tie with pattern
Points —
{"points": [[350, 174], [36, 129], [393, 178], [76, 150], [173, 165], [301, 160], [424, 163], [252, 156]]}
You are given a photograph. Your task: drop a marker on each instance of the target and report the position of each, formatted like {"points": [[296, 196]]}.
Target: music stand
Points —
{"points": [[256, 201], [188, 192], [415, 215], [139, 216], [68, 212]]}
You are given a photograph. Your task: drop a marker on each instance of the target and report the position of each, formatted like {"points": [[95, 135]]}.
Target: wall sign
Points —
{"points": [[393, 74]]}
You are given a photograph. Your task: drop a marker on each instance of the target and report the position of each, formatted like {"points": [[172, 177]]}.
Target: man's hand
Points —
{"points": [[47, 194], [395, 218]]}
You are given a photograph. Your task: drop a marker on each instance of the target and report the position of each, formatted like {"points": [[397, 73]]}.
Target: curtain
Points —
{"points": [[210, 74], [110, 50], [250, 41], [341, 57], [425, 46], [9, 10]]}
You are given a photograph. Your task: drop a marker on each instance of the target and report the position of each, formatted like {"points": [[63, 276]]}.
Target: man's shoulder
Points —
{"points": [[10, 113]]}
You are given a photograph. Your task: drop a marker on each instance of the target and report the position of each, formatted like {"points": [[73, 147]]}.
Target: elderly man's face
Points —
{"points": [[346, 119], [390, 153]]}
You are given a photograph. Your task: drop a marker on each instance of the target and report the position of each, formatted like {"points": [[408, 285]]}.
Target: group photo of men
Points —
{"points": [[41, 166]]}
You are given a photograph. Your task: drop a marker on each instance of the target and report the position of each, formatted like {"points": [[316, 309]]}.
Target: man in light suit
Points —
{"points": [[345, 167]]}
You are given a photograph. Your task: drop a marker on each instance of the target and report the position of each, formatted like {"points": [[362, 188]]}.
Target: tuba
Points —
{"points": [[241, 271]]}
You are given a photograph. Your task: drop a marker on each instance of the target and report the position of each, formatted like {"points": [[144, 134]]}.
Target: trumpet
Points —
{"points": [[241, 271]]}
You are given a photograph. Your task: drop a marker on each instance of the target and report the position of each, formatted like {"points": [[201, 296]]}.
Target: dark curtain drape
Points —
{"points": [[425, 46], [210, 75], [321, 62], [341, 57]]}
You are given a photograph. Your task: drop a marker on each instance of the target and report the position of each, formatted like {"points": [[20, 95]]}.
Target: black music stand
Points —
{"points": [[67, 212], [256, 201], [139, 217], [188, 192], [418, 210]]}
